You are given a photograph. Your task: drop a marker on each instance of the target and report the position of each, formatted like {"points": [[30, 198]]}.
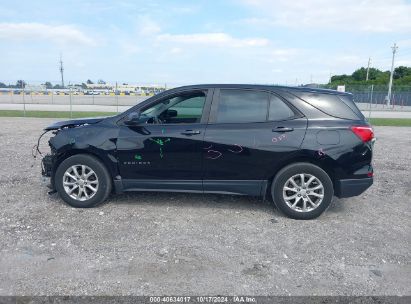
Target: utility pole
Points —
{"points": [[394, 50], [368, 68], [71, 104], [117, 96], [61, 71], [24, 93]]}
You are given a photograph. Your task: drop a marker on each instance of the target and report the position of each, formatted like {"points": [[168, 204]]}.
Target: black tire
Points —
{"points": [[104, 180], [291, 170]]}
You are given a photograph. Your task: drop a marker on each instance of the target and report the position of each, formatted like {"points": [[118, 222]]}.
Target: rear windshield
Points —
{"points": [[341, 106]]}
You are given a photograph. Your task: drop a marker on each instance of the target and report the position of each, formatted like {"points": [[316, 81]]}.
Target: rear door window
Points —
{"points": [[279, 110], [241, 106]]}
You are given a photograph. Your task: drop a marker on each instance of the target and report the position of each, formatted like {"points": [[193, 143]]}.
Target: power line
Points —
{"points": [[404, 53]]}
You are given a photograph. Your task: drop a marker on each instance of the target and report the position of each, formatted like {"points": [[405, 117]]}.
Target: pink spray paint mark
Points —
{"points": [[321, 152], [213, 154], [278, 138], [238, 149]]}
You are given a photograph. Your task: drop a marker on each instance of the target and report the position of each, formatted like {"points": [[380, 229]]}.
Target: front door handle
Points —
{"points": [[283, 129], [191, 132]]}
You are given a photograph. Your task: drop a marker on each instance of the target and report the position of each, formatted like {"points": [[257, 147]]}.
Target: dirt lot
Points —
{"points": [[185, 244]]}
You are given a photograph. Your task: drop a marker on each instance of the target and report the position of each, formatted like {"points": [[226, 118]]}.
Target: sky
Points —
{"points": [[200, 41]]}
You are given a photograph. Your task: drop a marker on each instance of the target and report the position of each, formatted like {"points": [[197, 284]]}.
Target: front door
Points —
{"points": [[165, 152]]}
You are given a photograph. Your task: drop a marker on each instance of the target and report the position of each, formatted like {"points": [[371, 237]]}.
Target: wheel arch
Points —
{"points": [[73, 152], [323, 164]]}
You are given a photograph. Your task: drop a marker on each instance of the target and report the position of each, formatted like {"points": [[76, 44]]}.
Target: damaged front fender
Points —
{"points": [[73, 123], [97, 137]]}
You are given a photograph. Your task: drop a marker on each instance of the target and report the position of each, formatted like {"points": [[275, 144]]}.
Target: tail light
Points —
{"points": [[365, 133]]}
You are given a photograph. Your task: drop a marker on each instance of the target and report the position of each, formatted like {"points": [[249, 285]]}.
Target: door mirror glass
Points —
{"points": [[171, 113], [134, 118]]}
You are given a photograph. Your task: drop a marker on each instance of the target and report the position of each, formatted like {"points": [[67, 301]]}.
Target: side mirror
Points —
{"points": [[133, 119], [171, 113]]}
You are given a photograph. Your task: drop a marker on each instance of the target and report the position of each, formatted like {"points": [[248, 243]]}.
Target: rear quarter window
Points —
{"points": [[349, 101], [334, 105]]}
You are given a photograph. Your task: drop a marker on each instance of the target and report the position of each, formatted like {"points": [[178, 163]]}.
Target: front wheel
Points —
{"points": [[302, 191], [82, 181]]}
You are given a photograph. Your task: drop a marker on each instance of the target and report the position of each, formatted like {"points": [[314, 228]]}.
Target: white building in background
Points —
{"points": [[35, 87], [99, 86], [341, 88], [137, 88]]}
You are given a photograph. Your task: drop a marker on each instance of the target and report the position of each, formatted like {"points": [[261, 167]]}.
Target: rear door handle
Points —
{"points": [[191, 132], [283, 129]]}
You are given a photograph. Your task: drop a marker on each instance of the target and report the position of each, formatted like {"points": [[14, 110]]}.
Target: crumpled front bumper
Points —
{"points": [[47, 164]]}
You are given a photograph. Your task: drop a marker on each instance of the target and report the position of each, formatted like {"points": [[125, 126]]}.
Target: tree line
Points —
{"points": [[401, 76], [21, 84]]}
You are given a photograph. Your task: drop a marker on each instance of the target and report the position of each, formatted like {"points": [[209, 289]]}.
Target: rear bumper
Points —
{"points": [[352, 187]]}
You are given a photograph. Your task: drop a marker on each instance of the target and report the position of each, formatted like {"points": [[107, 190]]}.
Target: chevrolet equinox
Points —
{"points": [[297, 146]]}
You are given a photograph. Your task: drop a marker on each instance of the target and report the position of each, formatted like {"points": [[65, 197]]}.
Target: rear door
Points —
{"points": [[249, 133]]}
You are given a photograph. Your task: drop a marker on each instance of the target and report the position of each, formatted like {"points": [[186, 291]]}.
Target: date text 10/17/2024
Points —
{"points": [[202, 299]]}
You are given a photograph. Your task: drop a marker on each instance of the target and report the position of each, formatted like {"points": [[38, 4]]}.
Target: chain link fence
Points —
{"points": [[117, 98], [376, 95], [93, 97]]}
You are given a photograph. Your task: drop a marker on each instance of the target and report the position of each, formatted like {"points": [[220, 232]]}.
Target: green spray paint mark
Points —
{"points": [[138, 157], [161, 143]]}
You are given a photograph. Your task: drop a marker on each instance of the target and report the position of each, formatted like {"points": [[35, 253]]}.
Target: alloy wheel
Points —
{"points": [[80, 182], [303, 192]]}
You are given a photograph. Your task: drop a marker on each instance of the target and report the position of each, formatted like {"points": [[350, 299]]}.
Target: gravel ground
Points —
{"points": [[185, 244]]}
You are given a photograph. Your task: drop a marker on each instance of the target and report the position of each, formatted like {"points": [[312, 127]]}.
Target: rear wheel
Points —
{"points": [[302, 191], [82, 181]]}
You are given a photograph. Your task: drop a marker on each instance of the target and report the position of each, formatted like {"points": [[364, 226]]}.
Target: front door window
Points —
{"points": [[181, 109]]}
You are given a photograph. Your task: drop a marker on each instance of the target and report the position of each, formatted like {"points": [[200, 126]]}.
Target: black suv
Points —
{"points": [[298, 146]]}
